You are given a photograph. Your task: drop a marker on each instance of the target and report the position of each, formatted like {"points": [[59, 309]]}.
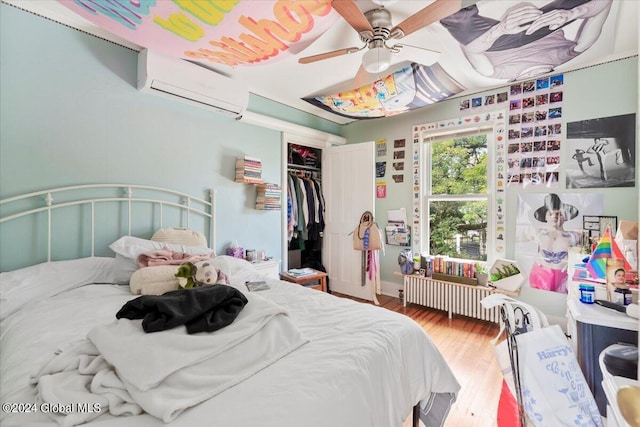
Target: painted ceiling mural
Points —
{"points": [[500, 41], [411, 87], [229, 32], [505, 42]]}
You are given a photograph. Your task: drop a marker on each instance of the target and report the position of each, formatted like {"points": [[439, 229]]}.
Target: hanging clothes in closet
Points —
{"points": [[305, 211]]}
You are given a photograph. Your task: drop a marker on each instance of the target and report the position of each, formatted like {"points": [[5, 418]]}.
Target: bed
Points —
{"points": [[293, 356]]}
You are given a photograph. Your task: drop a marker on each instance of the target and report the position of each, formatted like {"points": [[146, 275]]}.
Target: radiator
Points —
{"points": [[451, 297]]}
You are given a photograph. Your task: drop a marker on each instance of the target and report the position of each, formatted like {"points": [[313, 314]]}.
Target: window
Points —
{"points": [[457, 200]]}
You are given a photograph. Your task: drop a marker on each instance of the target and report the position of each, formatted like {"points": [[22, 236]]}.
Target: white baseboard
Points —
{"points": [[390, 288]]}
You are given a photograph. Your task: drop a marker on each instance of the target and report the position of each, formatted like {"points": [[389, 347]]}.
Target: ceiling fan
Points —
{"points": [[375, 30]]}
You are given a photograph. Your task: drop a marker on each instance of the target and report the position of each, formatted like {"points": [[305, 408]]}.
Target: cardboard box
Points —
{"points": [[512, 278]]}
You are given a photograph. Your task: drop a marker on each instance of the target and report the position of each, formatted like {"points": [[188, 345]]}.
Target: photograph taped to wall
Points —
{"points": [[381, 147], [602, 152]]}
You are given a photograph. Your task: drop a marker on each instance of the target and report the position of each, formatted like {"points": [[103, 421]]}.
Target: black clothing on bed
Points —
{"points": [[202, 309]]}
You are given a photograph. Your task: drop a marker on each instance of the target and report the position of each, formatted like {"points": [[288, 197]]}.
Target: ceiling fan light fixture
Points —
{"points": [[377, 59], [385, 2]]}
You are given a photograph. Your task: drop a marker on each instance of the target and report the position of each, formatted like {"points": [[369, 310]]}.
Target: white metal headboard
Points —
{"points": [[48, 201]]}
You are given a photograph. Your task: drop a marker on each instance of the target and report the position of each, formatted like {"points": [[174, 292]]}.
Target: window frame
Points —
{"points": [[427, 197]]}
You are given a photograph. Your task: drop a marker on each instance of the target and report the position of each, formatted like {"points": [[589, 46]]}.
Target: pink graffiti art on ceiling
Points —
{"points": [[228, 32]]}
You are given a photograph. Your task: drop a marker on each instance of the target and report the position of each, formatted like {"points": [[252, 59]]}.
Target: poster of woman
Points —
{"points": [[548, 225]]}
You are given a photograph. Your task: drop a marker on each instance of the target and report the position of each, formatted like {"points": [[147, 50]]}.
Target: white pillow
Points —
{"points": [[40, 281], [237, 270], [128, 248], [155, 280], [182, 236]]}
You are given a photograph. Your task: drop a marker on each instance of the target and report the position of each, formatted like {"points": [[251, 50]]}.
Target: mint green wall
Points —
{"points": [[261, 105], [600, 91], [70, 114]]}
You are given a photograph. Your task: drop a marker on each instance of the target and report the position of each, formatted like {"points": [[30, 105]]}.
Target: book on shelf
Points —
{"points": [[301, 272], [249, 170], [270, 187], [248, 180], [249, 161], [268, 196], [453, 267], [259, 285]]}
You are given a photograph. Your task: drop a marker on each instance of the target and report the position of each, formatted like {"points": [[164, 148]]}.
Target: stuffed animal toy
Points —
{"points": [[405, 261], [185, 275], [206, 274], [201, 273]]}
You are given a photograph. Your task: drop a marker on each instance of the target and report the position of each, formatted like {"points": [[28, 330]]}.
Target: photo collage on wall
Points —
{"points": [[481, 103], [399, 147], [415, 185], [381, 169], [396, 164], [535, 132], [498, 120]]}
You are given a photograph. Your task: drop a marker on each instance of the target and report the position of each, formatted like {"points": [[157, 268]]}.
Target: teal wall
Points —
{"points": [[600, 91], [70, 114]]}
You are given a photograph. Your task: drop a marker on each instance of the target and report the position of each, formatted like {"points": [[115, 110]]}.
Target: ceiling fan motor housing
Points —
{"points": [[380, 20]]}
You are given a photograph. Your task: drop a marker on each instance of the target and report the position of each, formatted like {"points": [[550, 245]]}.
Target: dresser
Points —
{"points": [[593, 328], [270, 267]]}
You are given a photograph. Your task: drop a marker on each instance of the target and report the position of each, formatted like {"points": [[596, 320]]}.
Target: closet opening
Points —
{"points": [[305, 207]]}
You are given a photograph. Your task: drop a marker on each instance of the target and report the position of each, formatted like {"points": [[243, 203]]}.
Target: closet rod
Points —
{"points": [[302, 167], [304, 173]]}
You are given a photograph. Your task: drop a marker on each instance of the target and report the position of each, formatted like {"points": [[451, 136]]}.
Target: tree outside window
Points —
{"points": [[457, 198]]}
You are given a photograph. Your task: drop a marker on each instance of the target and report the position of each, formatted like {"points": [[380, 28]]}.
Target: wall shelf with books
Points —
{"points": [[248, 170], [268, 196]]}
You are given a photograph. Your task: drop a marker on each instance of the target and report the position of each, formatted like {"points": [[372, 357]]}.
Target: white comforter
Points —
{"points": [[363, 365], [122, 369]]}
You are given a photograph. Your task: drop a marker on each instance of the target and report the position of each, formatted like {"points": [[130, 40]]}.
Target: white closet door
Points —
{"points": [[348, 181]]}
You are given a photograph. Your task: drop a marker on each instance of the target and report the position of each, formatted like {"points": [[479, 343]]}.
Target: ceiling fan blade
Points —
{"points": [[436, 11], [421, 55], [327, 55], [351, 13]]}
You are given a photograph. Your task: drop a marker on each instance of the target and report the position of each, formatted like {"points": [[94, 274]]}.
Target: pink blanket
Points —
{"points": [[168, 257]]}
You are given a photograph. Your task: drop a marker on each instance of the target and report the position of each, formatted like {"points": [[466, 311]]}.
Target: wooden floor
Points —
{"points": [[464, 343]]}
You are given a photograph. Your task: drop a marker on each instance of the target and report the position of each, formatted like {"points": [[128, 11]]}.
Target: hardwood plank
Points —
{"points": [[465, 344]]}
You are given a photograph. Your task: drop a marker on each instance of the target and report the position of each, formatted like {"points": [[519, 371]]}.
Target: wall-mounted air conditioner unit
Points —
{"points": [[190, 83]]}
